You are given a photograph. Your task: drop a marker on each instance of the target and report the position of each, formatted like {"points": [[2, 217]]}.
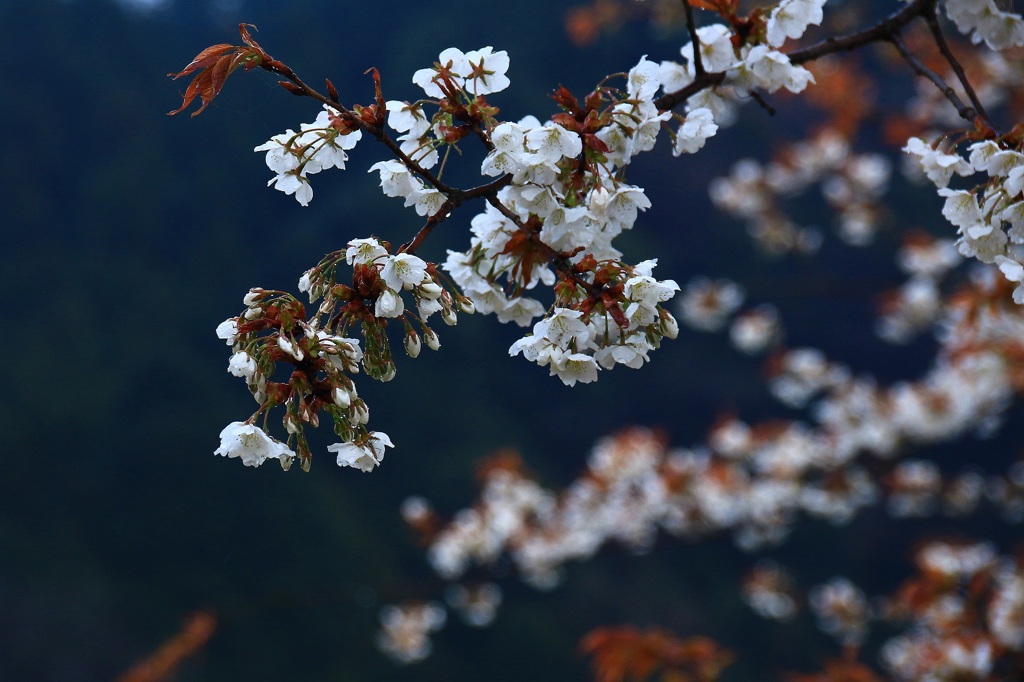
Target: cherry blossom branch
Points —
{"points": [[376, 131]]}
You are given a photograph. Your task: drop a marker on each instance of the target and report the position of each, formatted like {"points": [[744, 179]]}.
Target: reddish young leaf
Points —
{"points": [[204, 59], [214, 70], [625, 653], [215, 64]]}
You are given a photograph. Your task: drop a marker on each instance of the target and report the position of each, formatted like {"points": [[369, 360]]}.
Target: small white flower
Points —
{"points": [[695, 130], [290, 347], [791, 18], [364, 251], [643, 80], [228, 330], [405, 117], [403, 271], [427, 201], [552, 142], [395, 178], [364, 456], [486, 72], [561, 327], [241, 364], [250, 444], [388, 304], [294, 183], [412, 345], [573, 367], [770, 70], [938, 166]]}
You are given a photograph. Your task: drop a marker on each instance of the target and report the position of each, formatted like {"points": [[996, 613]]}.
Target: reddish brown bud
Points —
{"points": [[567, 101], [292, 88]]}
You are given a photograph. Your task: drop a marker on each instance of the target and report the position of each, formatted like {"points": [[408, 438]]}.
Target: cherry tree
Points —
{"points": [[541, 254]]}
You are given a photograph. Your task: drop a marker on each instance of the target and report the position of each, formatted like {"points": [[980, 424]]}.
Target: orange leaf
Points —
{"points": [[214, 68], [203, 59], [214, 65]]}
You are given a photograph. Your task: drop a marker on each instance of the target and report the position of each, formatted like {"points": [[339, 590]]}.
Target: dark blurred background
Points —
{"points": [[127, 236]]}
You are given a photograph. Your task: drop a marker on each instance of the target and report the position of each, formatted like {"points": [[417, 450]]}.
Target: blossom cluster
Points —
{"points": [[961, 616], [560, 198], [852, 184], [757, 480], [985, 21], [989, 217], [555, 201], [320, 355], [318, 146], [405, 630]]}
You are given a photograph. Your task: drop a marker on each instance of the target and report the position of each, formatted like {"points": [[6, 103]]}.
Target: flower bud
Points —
{"points": [[241, 364], [228, 330], [389, 304], [286, 345], [360, 413], [390, 373], [450, 317], [430, 289], [341, 398], [466, 305], [255, 294], [669, 326], [412, 345], [431, 339]]}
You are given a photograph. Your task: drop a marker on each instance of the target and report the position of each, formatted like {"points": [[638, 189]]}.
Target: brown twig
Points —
{"points": [[966, 112], [691, 26], [456, 199], [940, 41], [759, 98]]}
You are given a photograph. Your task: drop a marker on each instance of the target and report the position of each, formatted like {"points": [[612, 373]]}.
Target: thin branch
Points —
{"points": [[691, 26], [454, 201], [432, 222], [759, 98], [966, 112], [881, 31], [703, 82], [940, 41]]}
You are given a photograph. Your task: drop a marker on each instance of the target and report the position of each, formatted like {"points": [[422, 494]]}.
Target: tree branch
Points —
{"points": [[940, 41], [691, 26], [966, 112]]}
